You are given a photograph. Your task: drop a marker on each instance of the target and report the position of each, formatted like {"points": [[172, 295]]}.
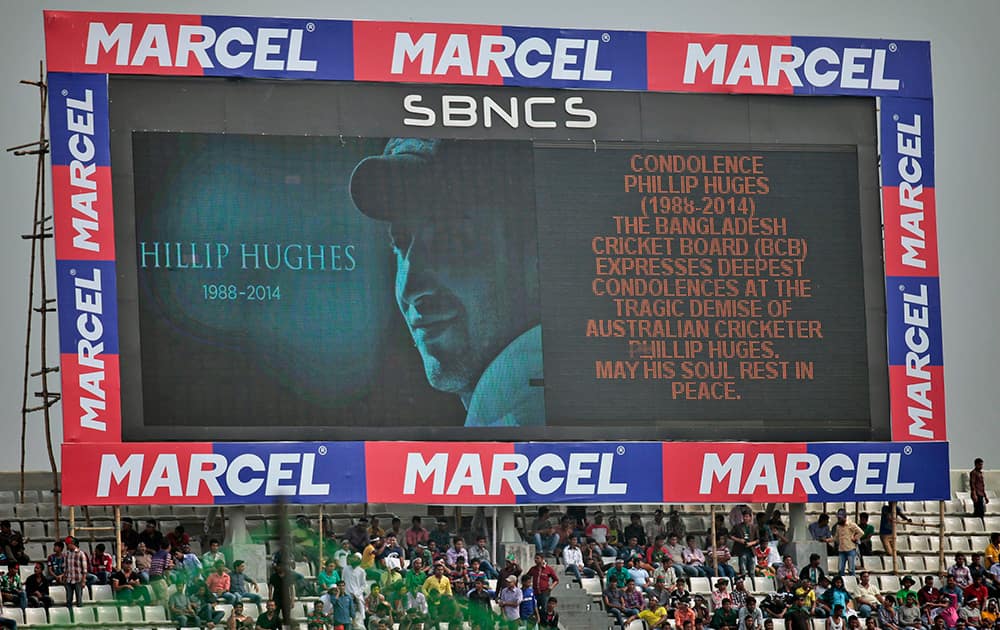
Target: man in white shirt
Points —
{"points": [[573, 559], [867, 596]]}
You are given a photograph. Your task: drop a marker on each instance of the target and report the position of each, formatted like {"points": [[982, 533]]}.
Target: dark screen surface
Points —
{"points": [[300, 262]]}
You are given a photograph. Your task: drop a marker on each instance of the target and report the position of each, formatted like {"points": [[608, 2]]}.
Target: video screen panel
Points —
{"points": [[344, 261]]}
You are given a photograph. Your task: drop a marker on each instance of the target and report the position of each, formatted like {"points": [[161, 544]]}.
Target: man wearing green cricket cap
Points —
{"points": [[463, 231]]}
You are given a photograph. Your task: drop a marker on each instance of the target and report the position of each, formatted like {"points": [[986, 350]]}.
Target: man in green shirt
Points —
{"points": [[327, 578], [619, 572], [725, 616], [907, 590]]}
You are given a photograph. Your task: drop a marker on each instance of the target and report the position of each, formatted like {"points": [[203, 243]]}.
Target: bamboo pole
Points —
{"points": [[715, 540], [72, 520], [892, 515], [322, 538], [941, 537], [118, 536]]}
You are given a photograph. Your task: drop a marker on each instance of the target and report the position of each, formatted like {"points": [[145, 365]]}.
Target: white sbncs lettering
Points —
{"points": [[537, 112], [821, 67], [836, 474], [579, 474], [282, 474], [271, 49], [532, 58]]}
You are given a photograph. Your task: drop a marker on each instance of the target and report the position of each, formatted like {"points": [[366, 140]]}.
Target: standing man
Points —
{"points": [[977, 486], [462, 229], [75, 571], [847, 534], [543, 580]]}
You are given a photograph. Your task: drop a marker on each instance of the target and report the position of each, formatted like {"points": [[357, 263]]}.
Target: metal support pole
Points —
{"points": [[715, 540], [118, 536]]}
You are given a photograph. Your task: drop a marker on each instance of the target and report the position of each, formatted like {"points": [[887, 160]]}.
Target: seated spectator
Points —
{"points": [[358, 536], [720, 554], [614, 602], [676, 551], [543, 534], [416, 534], [799, 616], [675, 525], [238, 620], [820, 532], [270, 618], [751, 618], [695, 558], [775, 605], [812, 572], [948, 610], [204, 603], [991, 611], [182, 609], [218, 584], [441, 537], [636, 530], [241, 585], [178, 538], [927, 593], [572, 558], [809, 600], [684, 613], [549, 618], [658, 526], [101, 565], [739, 594], [618, 572], [992, 552], [56, 563], [130, 537], [836, 619], [725, 616], [888, 619], [977, 589], [786, 568], [327, 579], [597, 530], [481, 552], [837, 594], [459, 577], [654, 615], [638, 574], [127, 586], [660, 591], [212, 556], [960, 571], [867, 596], [36, 587], [141, 561], [909, 614], [721, 593], [969, 612], [592, 558], [375, 529], [12, 543], [457, 550], [150, 536], [952, 588]]}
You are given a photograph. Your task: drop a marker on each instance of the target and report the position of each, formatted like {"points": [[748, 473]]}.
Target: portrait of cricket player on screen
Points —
{"points": [[461, 225]]}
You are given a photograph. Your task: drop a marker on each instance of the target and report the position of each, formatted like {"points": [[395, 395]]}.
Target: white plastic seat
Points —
{"points": [[60, 615], [35, 617], [700, 585], [154, 613], [13, 613], [973, 524], [106, 614], [131, 614], [959, 543], [102, 593], [888, 583]]}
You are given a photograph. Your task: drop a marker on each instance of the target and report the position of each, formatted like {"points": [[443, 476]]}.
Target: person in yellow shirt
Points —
{"points": [[438, 581], [654, 614], [808, 596], [992, 553]]}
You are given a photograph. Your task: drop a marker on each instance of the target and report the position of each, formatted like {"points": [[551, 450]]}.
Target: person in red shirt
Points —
{"points": [[928, 594], [218, 583], [977, 589], [543, 580], [178, 538], [101, 566]]}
